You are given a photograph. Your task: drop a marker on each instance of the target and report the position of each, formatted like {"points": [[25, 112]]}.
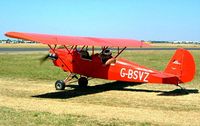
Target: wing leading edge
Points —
{"points": [[76, 40]]}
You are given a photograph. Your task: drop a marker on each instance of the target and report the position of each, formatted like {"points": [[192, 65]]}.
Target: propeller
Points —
{"points": [[51, 56], [44, 58]]}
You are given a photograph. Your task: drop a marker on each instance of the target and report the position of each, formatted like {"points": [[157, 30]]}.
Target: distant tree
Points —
{"points": [[8, 41]]}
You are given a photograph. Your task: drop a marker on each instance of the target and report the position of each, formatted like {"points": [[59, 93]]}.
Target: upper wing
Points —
{"points": [[76, 40]]}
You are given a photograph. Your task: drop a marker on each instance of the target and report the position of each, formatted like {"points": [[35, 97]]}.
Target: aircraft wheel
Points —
{"points": [[60, 85], [83, 82]]}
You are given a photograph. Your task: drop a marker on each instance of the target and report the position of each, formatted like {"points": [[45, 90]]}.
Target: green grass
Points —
{"points": [[28, 66], [14, 117]]}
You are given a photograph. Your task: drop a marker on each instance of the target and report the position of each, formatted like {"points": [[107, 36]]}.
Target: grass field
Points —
{"points": [[170, 45], [28, 97]]}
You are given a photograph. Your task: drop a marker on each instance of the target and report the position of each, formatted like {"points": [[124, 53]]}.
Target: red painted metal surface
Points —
{"points": [[76, 40]]}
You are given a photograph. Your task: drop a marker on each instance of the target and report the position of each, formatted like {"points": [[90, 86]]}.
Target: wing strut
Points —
{"points": [[92, 50], [67, 48], [119, 52], [82, 48]]}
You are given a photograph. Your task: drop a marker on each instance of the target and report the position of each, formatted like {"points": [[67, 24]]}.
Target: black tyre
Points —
{"points": [[82, 82], [60, 85]]}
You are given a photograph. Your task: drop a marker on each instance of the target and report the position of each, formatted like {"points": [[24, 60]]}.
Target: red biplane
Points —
{"points": [[75, 60]]}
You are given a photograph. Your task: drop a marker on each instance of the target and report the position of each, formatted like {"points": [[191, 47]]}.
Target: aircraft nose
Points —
{"points": [[53, 56]]}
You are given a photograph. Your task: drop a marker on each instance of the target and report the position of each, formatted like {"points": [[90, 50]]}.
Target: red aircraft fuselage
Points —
{"points": [[121, 70]]}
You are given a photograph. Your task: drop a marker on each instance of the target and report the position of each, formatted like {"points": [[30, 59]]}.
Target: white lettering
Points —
{"points": [[122, 74], [141, 75], [134, 74], [145, 78], [130, 74], [135, 77]]}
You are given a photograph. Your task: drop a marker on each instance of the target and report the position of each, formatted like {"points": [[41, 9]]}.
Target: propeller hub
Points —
{"points": [[52, 56]]}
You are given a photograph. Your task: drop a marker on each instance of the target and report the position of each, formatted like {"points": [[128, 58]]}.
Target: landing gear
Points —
{"points": [[82, 82], [60, 85]]}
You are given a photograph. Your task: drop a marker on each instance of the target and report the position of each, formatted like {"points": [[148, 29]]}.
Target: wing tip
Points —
{"points": [[11, 34]]}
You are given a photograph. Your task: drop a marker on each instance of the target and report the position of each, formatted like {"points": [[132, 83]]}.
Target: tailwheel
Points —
{"points": [[60, 85], [82, 82]]}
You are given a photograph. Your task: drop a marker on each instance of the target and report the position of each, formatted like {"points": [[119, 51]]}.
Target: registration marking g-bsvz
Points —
{"points": [[134, 74]]}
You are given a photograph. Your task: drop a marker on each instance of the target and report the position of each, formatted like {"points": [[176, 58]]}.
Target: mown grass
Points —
{"points": [[170, 45], [14, 117], [28, 66]]}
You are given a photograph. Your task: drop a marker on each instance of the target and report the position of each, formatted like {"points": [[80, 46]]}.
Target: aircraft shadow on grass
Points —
{"points": [[75, 91]]}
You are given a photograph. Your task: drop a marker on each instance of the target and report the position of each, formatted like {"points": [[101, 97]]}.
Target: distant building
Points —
{"points": [[8, 41], [186, 42]]}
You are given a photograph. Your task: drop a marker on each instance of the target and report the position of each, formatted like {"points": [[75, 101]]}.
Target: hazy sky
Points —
{"points": [[137, 19]]}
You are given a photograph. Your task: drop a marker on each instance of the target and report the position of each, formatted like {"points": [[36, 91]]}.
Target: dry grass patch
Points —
{"points": [[133, 104], [170, 45]]}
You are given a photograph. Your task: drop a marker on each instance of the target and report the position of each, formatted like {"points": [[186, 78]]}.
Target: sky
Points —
{"points": [[133, 19]]}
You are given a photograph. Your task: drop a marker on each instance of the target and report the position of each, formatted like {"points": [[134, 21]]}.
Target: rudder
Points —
{"points": [[182, 65]]}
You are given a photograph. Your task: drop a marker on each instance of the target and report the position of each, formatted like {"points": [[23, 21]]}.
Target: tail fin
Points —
{"points": [[182, 65]]}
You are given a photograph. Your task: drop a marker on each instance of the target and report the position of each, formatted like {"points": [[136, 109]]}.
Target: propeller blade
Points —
{"points": [[43, 59]]}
